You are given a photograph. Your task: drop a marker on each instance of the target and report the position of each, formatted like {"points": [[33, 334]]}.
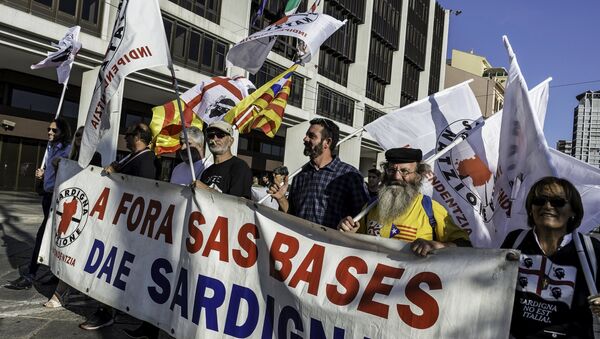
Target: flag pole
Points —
{"points": [[462, 137], [181, 117], [60, 102], [348, 137]]}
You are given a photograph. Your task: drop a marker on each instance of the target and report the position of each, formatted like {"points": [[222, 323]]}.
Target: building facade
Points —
{"points": [[564, 146], [389, 54], [586, 128], [488, 81]]}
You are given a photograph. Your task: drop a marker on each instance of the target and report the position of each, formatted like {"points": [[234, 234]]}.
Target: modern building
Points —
{"points": [[564, 146], [389, 53], [586, 128], [488, 81]]}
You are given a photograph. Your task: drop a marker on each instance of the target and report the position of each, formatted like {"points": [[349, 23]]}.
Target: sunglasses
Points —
{"points": [[218, 134], [554, 201], [55, 130]]}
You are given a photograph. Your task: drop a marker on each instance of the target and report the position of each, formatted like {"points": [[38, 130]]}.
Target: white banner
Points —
{"points": [[138, 42], [311, 28], [205, 264]]}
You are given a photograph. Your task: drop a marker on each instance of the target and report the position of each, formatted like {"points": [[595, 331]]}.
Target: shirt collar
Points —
{"points": [[566, 239], [332, 166]]}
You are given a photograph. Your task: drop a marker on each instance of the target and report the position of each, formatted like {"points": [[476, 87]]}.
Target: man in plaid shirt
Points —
{"points": [[326, 189]]}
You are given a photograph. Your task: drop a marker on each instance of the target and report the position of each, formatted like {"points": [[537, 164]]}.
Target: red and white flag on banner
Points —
{"points": [[63, 59], [211, 100], [138, 42]]}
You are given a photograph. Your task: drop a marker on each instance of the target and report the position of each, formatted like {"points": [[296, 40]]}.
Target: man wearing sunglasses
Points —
{"points": [[326, 189], [229, 174], [403, 213]]}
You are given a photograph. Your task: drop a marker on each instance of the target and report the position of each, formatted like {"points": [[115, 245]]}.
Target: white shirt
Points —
{"points": [[259, 192]]}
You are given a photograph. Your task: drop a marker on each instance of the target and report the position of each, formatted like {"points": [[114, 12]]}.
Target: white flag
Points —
{"points": [[63, 58], [211, 100], [138, 42], [429, 124], [311, 28]]}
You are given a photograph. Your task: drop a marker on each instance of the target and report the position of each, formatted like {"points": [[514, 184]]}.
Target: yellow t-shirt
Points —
{"points": [[413, 224]]}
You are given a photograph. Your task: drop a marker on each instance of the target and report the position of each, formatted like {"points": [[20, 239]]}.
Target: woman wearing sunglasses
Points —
{"points": [[552, 298]]}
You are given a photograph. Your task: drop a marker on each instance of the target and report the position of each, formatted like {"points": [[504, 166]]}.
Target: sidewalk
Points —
{"points": [[21, 312]]}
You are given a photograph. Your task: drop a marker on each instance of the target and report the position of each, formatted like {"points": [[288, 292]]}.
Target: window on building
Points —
{"points": [[416, 32], [85, 13], [134, 112], [195, 49], [339, 50], [436, 49], [268, 71], [371, 114], [410, 83], [335, 106], [379, 69], [284, 46], [208, 9]]}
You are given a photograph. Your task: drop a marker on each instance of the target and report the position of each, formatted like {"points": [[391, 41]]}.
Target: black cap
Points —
{"points": [[403, 155]]}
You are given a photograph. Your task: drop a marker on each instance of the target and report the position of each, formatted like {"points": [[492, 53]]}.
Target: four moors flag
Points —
{"points": [[138, 41]]}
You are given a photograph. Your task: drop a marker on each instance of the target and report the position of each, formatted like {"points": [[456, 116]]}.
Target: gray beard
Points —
{"points": [[395, 199]]}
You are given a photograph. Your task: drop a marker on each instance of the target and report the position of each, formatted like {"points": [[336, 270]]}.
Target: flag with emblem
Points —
{"points": [[265, 107], [210, 100], [166, 126], [292, 6]]}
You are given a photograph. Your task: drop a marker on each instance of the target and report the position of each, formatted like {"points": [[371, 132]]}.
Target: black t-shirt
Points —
{"points": [[231, 177], [551, 292], [142, 164]]}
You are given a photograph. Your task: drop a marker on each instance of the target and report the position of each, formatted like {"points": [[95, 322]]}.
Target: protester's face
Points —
{"points": [[401, 174], [219, 142], [551, 209], [53, 132], [279, 178], [373, 179], [130, 138], [313, 141]]}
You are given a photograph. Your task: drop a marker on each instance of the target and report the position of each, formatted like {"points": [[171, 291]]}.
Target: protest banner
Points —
{"points": [[204, 264]]}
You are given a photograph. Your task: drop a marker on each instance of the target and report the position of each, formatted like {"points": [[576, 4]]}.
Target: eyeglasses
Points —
{"points": [[403, 171], [554, 201], [218, 134], [55, 130]]}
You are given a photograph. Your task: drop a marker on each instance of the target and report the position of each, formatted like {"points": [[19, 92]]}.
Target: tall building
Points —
{"points": [[389, 53], [488, 81], [586, 128], [564, 146]]}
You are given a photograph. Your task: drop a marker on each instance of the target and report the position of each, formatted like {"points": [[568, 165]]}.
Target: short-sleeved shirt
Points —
{"points": [[57, 150], [414, 223], [551, 291], [325, 196], [232, 176]]}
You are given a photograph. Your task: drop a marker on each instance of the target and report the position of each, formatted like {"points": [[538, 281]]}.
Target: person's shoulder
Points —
{"points": [[237, 162], [345, 168], [511, 237]]}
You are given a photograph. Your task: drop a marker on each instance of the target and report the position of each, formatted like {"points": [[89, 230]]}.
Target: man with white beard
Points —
{"points": [[403, 212]]}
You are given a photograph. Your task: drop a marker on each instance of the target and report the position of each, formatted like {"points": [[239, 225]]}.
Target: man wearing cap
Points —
{"points": [[229, 174], [326, 189], [403, 213]]}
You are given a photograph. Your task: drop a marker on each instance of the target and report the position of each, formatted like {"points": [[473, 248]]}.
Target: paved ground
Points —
{"points": [[21, 312]]}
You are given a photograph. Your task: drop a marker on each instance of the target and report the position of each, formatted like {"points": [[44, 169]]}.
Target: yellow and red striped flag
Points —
{"points": [[166, 126], [263, 108]]}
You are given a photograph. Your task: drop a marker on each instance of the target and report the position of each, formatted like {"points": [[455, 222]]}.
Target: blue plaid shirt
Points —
{"points": [[327, 195]]}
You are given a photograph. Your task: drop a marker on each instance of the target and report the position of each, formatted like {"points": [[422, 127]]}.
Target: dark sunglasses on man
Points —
{"points": [[218, 134], [55, 130]]}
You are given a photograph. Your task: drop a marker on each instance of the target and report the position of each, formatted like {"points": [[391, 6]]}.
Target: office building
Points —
{"points": [[586, 128], [564, 146]]}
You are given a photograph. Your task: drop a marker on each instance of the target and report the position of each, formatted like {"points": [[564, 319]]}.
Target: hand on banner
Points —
{"points": [[39, 173], [422, 247], [348, 225], [112, 168], [200, 184], [594, 301]]}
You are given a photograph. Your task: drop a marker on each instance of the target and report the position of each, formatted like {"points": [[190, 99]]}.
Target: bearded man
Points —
{"points": [[403, 213], [326, 189], [229, 174]]}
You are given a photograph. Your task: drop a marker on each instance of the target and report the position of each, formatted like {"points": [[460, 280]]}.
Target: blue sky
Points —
{"points": [[551, 38]]}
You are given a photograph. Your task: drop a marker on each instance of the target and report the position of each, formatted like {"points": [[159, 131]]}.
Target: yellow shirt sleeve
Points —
{"points": [[446, 229]]}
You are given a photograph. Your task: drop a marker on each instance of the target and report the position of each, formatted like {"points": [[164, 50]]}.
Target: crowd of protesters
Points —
{"points": [[331, 193]]}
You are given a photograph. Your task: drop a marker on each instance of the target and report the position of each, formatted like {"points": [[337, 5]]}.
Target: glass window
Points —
{"points": [[68, 6]]}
